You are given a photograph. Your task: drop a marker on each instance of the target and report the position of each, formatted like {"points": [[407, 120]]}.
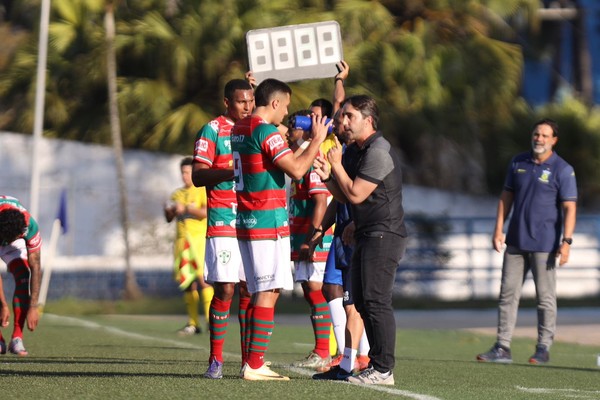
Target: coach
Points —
{"points": [[372, 184]]}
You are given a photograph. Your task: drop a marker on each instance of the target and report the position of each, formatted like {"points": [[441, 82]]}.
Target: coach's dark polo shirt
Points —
{"points": [[377, 162]]}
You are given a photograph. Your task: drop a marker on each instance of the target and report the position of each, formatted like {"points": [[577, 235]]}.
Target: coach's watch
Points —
{"points": [[568, 241]]}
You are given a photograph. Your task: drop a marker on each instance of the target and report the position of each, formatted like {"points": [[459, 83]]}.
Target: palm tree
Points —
{"points": [[132, 291]]}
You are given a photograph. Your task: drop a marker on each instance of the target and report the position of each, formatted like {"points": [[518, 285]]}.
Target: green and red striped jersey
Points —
{"points": [[301, 210], [32, 237], [260, 185], [213, 148]]}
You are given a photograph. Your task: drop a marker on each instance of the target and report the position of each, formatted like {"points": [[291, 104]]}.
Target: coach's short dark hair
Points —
{"points": [[267, 89], [547, 121], [235, 84], [12, 225], [366, 105]]}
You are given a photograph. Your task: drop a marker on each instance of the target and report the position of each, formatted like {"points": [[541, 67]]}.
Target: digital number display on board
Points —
{"points": [[295, 52]]}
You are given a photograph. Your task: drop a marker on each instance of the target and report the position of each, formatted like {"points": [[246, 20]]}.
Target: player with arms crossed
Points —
{"points": [[213, 168]]}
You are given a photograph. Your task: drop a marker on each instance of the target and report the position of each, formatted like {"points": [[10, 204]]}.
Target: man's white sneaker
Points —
{"points": [[264, 373], [371, 376]]}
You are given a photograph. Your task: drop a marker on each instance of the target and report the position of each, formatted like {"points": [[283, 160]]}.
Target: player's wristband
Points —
{"points": [[326, 179], [337, 78]]}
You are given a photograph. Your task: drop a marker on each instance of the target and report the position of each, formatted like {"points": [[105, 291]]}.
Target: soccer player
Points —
{"points": [[20, 249], [308, 202], [261, 157], [188, 207], [213, 168]]}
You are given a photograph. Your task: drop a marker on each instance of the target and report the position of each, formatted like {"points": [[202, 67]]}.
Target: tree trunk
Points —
{"points": [[132, 290]]}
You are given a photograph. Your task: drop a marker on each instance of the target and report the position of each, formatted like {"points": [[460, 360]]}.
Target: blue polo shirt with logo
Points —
{"points": [[539, 191]]}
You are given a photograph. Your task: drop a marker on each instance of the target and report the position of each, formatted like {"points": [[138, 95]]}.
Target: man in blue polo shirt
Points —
{"points": [[541, 189]]}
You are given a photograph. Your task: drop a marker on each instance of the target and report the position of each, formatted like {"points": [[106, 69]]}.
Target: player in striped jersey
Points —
{"points": [[261, 157], [213, 168], [20, 245], [308, 202]]}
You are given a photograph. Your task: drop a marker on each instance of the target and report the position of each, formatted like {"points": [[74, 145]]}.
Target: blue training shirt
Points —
{"points": [[539, 191]]}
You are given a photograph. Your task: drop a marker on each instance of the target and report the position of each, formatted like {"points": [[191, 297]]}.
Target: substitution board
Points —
{"points": [[295, 52]]}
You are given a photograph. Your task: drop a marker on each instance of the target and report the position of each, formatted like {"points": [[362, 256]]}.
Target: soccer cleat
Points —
{"points": [[215, 370], [314, 361], [335, 361], [189, 330], [264, 373], [2, 347], [336, 373], [371, 376], [497, 354], [541, 356], [362, 362], [16, 347]]}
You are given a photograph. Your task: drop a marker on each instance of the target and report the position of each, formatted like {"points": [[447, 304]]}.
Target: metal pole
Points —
{"points": [[40, 91]]}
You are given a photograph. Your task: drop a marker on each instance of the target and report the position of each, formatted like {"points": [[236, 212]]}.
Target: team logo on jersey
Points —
{"points": [[521, 171], [202, 145], [275, 141], [224, 256], [545, 177], [247, 222], [214, 124]]}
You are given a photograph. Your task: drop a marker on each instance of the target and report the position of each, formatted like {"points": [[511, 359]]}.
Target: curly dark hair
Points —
{"points": [[12, 225]]}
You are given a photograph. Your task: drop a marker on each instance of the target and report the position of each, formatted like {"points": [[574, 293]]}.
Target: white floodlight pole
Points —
{"points": [[40, 91]]}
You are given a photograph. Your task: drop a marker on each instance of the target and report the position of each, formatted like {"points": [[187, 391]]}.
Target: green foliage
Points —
{"points": [[446, 74]]}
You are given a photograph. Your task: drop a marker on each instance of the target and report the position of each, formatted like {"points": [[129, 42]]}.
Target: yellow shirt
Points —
{"points": [[327, 144], [187, 223]]}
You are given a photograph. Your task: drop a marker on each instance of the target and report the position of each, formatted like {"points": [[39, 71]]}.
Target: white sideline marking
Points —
{"points": [[572, 393], [300, 371], [117, 331]]}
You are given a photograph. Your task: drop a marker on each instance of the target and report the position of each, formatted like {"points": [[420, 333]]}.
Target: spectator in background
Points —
{"points": [[213, 168], [188, 207], [541, 190], [20, 249]]}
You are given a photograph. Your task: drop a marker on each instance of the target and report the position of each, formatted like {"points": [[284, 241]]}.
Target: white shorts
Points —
{"points": [[309, 271], [223, 262], [267, 264], [17, 249]]}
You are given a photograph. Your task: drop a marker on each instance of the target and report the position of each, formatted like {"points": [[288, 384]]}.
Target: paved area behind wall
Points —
{"points": [[575, 325]]}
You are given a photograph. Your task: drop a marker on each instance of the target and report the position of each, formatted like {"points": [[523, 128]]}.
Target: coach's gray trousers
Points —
{"points": [[515, 267]]}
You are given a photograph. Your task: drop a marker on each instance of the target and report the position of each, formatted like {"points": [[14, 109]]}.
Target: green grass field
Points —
{"points": [[140, 357]]}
